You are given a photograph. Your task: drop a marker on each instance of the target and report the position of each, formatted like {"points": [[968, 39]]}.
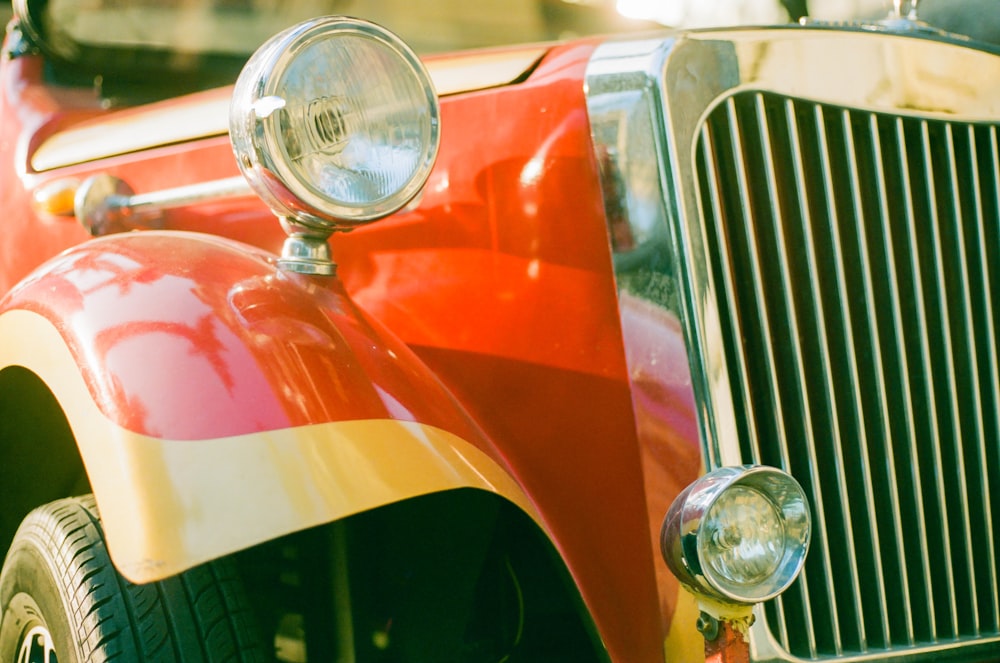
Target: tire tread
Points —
{"points": [[200, 616]]}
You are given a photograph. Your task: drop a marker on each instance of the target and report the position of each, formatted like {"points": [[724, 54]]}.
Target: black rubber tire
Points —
{"points": [[57, 575]]}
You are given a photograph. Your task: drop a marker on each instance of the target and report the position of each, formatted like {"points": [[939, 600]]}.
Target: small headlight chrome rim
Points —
{"points": [[738, 534], [276, 110]]}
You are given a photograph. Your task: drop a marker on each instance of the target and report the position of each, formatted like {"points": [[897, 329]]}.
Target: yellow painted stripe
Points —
{"points": [[684, 644], [207, 114], [169, 505]]}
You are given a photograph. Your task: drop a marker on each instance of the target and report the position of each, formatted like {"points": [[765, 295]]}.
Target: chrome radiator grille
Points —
{"points": [[856, 258]]}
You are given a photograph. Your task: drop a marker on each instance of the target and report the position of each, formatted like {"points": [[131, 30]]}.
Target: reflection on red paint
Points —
{"points": [[487, 309], [666, 424], [206, 321]]}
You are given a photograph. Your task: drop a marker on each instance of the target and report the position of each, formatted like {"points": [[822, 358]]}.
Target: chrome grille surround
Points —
{"points": [[831, 202]]}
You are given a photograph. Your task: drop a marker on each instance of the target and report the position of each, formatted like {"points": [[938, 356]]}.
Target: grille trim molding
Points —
{"points": [[758, 225], [704, 76]]}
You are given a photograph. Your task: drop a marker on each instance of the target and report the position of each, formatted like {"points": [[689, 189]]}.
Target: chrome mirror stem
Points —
{"points": [[904, 10], [105, 204]]}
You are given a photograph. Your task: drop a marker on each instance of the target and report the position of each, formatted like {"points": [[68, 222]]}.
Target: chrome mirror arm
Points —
{"points": [[105, 204]]}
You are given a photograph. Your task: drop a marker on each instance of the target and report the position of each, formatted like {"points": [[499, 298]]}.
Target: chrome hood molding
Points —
{"points": [[206, 114]]}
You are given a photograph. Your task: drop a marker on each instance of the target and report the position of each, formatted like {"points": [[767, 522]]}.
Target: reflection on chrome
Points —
{"points": [[798, 171]]}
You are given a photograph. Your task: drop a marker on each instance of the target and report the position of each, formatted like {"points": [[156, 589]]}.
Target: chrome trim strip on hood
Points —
{"points": [[206, 114]]}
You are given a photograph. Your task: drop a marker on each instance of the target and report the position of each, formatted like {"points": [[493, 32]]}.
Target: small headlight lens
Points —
{"points": [[335, 122], [742, 537], [738, 534]]}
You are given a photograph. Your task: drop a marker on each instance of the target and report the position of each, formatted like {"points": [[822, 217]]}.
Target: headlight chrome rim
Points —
{"points": [[263, 154], [688, 531]]}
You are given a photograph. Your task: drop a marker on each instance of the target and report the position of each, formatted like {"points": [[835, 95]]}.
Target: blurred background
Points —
{"points": [[434, 25], [694, 13]]}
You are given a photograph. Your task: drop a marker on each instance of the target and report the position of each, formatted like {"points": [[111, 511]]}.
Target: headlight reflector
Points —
{"points": [[334, 123], [742, 537], [738, 534]]}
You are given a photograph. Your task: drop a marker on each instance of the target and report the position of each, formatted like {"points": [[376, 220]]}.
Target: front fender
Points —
{"points": [[218, 402]]}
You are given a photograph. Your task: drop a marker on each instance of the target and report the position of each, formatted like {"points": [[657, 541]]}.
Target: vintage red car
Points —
{"points": [[566, 351]]}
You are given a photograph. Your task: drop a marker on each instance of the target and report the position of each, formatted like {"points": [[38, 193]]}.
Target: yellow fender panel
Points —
{"points": [[168, 505]]}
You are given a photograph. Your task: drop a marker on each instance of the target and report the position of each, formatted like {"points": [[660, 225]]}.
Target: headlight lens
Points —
{"points": [[335, 123], [743, 537], [739, 534]]}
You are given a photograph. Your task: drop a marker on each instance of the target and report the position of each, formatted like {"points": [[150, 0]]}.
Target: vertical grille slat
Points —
{"points": [[707, 153], [850, 389], [991, 279], [775, 214], [713, 195], [745, 234], [947, 429], [748, 225], [855, 257], [902, 381], [870, 431], [971, 369], [982, 340], [980, 241], [919, 321], [812, 266]]}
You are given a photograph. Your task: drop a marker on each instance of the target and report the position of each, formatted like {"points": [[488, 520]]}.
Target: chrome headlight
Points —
{"points": [[738, 534], [334, 123]]}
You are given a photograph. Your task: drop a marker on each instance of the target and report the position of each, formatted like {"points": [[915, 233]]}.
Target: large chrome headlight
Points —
{"points": [[738, 534], [334, 123]]}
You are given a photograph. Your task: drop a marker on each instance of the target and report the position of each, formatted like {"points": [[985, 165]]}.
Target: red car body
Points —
{"points": [[476, 342], [495, 293]]}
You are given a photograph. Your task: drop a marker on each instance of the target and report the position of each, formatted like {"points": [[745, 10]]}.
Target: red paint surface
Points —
{"points": [[500, 281], [186, 337]]}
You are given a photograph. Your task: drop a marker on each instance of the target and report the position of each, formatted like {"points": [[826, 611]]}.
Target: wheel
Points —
{"points": [[62, 600]]}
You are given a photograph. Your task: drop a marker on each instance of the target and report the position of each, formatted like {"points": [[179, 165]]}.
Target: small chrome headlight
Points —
{"points": [[738, 534], [334, 123]]}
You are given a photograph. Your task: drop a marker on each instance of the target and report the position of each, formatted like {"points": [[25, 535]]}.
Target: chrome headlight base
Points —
{"points": [[306, 251]]}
